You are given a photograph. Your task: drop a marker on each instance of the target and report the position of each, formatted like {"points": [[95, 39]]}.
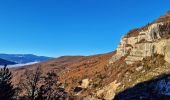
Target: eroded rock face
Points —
{"points": [[147, 43], [139, 52], [123, 48], [156, 31], [143, 50]]}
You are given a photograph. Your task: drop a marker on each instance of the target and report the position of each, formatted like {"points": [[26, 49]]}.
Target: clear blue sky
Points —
{"points": [[72, 27]]}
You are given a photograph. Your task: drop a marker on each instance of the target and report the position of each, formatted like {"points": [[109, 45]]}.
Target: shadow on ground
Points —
{"points": [[154, 89]]}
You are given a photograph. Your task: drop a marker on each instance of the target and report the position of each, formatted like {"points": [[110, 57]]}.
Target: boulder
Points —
{"points": [[139, 68], [85, 83], [167, 52], [108, 92], [160, 47]]}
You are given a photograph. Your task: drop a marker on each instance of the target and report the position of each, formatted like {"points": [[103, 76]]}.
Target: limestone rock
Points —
{"points": [[156, 31], [152, 44], [115, 58], [108, 92], [167, 52], [139, 68], [123, 48], [85, 83], [139, 52], [160, 47]]}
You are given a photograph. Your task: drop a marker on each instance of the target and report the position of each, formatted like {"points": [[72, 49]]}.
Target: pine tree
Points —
{"points": [[6, 88]]}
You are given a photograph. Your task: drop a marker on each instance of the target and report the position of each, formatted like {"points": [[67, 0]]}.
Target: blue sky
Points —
{"points": [[72, 27]]}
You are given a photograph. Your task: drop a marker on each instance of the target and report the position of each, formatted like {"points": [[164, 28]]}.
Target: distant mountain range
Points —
{"points": [[3, 62], [23, 58]]}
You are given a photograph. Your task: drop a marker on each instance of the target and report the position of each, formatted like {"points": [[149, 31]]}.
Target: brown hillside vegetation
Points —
{"points": [[135, 32], [164, 18], [68, 66]]}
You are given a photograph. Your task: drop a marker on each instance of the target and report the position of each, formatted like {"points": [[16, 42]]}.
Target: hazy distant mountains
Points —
{"points": [[23, 58], [3, 62]]}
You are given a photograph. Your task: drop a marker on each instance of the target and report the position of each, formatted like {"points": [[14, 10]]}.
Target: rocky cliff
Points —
{"points": [[146, 53], [153, 40]]}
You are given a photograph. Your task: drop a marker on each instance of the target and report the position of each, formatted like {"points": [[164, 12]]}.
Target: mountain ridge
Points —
{"points": [[5, 62], [23, 58]]}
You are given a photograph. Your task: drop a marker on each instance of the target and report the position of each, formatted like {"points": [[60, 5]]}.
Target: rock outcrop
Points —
{"points": [[167, 53], [85, 83], [142, 55], [107, 92], [154, 40]]}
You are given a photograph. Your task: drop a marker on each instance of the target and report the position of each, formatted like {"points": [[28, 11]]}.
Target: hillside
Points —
{"points": [[65, 64], [140, 65]]}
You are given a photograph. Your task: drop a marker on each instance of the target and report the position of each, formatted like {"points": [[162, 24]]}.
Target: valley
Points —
{"points": [[143, 55]]}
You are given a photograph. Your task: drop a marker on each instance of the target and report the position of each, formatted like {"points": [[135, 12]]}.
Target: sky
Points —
{"points": [[72, 27]]}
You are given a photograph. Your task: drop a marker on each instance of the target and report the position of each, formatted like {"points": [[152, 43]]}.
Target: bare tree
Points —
{"points": [[30, 82], [38, 87], [52, 89]]}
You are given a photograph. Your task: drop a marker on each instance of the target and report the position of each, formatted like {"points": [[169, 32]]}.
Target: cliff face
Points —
{"points": [[146, 51], [154, 40]]}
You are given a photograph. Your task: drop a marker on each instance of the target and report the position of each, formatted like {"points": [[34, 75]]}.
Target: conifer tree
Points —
{"points": [[6, 88]]}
